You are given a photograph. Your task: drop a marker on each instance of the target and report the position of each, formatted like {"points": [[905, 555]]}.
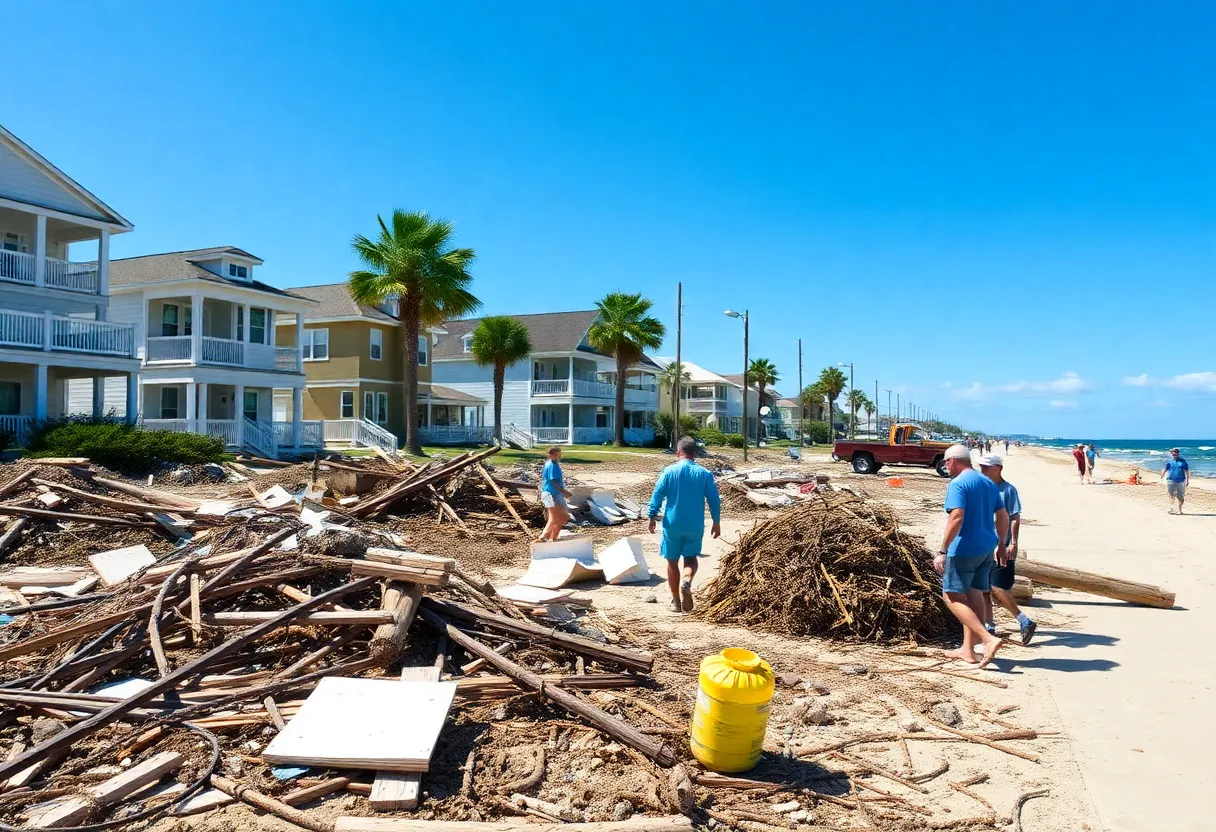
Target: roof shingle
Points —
{"points": [[334, 301], [182, 265]]}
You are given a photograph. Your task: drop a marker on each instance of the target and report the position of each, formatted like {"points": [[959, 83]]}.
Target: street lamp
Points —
{"points": [[852, 411], [746, 320], [890, 421]]}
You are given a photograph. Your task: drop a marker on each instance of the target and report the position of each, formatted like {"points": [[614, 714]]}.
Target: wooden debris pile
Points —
{"points": [[832, 566]]}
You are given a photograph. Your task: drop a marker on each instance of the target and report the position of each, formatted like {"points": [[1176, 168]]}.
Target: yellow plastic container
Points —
{"points": [[734, 692]]}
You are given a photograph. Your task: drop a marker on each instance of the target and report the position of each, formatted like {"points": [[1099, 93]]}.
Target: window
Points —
{"points": [[466, 342], [239, 272], [249, 407], [15, 242], [10, 398], [377, 345], [346, 403], [375, 407], [423, 346], [369, 405], [601, 417], [168, 402], [422, 416], [257, 325], [316, 347], [382, 408]]}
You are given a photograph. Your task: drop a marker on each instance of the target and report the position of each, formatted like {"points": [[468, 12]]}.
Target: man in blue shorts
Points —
{"points": [[977, 524], [1177, 477], [1001, 577], [687, 488]]}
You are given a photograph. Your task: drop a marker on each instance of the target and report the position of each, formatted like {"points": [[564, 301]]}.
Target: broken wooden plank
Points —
{"points": [[269, 804], [163, 498], [74, 810], [401, 600], [42, 576], [109, 502], [116, 565], [638, 823], [308, 793], [410, 574], [481, 469], [331, 618], [9, 508], [393, 790]]}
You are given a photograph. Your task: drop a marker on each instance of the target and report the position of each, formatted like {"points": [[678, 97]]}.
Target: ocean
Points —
{"points": [[1150, 454]]}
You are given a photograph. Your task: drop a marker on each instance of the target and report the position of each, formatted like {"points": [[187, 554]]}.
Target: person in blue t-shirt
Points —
{"points": [[993, 467], [686, 488], [553, 495], [1177, 477], [977, 524]]}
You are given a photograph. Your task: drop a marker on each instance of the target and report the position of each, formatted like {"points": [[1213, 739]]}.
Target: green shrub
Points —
{"points": [[711, 435], [735, 440], [817, 431], [662, 423], [120, 446]]}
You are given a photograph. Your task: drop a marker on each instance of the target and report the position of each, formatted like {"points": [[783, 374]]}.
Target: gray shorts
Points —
{"points": [[550, 500], [1177, 490]]}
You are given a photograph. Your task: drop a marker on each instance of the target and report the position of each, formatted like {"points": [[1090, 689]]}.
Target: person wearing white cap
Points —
{"points": [[977, 525], [993, 467]]}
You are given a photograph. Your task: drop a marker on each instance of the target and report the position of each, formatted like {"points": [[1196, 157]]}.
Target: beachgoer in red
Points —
{"points": [[1079, 455]]}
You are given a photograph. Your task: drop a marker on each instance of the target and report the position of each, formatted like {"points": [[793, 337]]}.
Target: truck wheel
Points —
{"points": [[835, 458], [940, 467], [864, 464]]}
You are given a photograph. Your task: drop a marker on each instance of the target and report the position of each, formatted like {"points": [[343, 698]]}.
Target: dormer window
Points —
{"points": [[239, 272], [466, 342]]}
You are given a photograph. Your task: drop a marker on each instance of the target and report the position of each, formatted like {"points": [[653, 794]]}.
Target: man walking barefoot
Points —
{"points": [[993, 467], [687, 488], [1177, 477], [965, 558]]}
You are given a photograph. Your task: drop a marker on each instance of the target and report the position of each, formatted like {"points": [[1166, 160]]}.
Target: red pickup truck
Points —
{"points": [[907, 444]]}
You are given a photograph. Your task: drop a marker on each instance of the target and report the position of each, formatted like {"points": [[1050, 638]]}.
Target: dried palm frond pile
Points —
{"points": [[833, 566]]}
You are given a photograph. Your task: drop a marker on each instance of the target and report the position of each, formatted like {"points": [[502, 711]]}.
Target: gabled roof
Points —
{"points": [[788, 403], [737, 380], [696, 373], [151, 269], [334, 301], [548, 332], [80, 201]]}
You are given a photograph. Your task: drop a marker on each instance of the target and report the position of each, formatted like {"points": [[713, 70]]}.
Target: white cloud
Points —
{"points": [[1205, 382], [1141, 380], [1062, 404], [1068, 384], [1159, 403]]}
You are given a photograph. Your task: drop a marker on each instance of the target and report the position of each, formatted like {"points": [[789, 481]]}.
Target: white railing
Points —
{"points": [[81, 335], [168, 348], [456, 434], [311, 434], [552, 387], [21, 329], [338, 431], [75, 277], [594, 389], [287, 358], [223, 428], [369, 434], [516, 436], [223, 351], [592, 436], [17, 266], [19, 426], [544, 435], [261, 437], [702, 405], [634, 394], [175, 425]]}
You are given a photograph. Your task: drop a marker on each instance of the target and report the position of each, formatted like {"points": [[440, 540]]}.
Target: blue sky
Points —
{"points": [[1006, 212]]}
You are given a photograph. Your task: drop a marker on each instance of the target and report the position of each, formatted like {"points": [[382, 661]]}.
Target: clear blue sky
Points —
{"points": [[970, 201]]}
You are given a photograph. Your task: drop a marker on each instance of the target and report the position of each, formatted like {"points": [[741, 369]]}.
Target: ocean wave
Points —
{"points": [[1207, 448]]}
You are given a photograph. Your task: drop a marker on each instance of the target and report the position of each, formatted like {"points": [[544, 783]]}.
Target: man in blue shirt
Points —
{"points": [[687, 488], [993, 467], [1177, 477], [973, 505]]}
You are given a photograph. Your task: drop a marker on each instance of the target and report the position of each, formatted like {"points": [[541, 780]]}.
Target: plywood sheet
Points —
{"points": [[365, 723], [552, 573], [116, 565], [532, 594], [577, 547], [623, 562]]}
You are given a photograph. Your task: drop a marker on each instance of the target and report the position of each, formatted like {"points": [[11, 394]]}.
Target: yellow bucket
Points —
{"points": [[734, 692]]}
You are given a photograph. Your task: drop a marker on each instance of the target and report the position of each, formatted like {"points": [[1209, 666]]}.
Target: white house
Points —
{"points": [[563, 393], [714, 399], [54, 293], [205, 333]]}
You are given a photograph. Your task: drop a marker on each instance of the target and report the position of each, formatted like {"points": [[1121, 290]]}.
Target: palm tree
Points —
{"points": [[870, 408], [812, 399], [499, 341], [624, 330], [832, 383], [412, 262], [764, 373]]}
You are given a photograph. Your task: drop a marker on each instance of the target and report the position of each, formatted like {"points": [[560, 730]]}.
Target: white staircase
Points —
{"points": [[261, 437]]}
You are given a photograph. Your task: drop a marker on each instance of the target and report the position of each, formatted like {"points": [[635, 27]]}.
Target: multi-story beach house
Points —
{"points": [[563, 393], [713, 399], [54, 295], [352, 360], [204, 329]]}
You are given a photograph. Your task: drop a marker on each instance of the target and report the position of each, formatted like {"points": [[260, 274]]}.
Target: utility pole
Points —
{"points": [[801, 404], [899, 411], [874, 427], [746, 321], [890, 421], [678, 384]]}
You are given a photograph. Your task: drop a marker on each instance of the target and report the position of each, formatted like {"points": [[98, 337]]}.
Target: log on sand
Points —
{"points": [[1069, 578], [670, 823]]}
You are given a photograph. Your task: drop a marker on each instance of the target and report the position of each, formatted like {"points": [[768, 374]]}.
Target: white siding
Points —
{"points": [[21, 300], [468, 377], [22, 181], [80, 396]]}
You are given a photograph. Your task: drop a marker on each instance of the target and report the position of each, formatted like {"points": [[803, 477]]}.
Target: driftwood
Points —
{"points": [[269, 804], [9, 508], [401, 601], [147, 494], [111, 502], [481, 469], [639, 823], [1069, 578], [420, 480]]}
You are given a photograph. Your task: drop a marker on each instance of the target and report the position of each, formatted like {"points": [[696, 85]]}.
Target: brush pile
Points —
{"points": [[833, 566]]}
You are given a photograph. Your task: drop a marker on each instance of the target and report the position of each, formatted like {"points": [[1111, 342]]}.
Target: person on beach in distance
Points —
{"points": [[687, 488], [993, 467], [1091, 457], [1177, 477], [553, 496], [1006, 447], [1079, 455], [977, 524]]}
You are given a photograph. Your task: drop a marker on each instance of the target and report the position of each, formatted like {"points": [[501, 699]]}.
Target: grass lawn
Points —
{"points": [[573, 454]]}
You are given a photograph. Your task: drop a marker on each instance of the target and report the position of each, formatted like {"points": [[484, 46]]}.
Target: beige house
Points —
{"points": [[352, 360]]}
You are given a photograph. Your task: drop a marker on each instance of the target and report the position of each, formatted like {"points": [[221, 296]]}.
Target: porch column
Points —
{"points": [[245, 323], [196, 328], [238, 409], [192, 407], [297, 410], [103, 263], [99, 396], [141, 342], [570, 437], [299, 342], [40, 251], [570, 380], [202, 407], [429, 423], [40, 393], [132, 398]]}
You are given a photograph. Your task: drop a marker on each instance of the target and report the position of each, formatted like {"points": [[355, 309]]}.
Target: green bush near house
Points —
{"points": [[819, 432], [735, 440], [662, 425], [120, 446]]}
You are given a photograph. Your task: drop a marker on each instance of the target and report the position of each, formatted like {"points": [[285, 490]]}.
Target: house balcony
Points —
{"points": [[225, 352], [56, 333], [21, 267], [578, 387], [703, 405]]}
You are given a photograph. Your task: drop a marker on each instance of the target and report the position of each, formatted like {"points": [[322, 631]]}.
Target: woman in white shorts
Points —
{"points": [[553, 495]]}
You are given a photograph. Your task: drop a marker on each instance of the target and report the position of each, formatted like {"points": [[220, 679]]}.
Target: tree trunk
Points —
{"points": [[411, 312], [618, 422], [500, 375]]}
